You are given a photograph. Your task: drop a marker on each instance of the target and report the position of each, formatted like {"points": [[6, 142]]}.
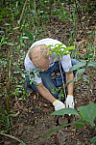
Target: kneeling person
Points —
{"points": [[40, 66]]}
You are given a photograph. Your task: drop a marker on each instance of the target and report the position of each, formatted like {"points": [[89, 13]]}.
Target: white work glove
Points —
{"points": [[58, 105], [69, 102]]}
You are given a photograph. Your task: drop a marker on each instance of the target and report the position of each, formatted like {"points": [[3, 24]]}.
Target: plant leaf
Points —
{"points": [[22, 143], [29, 35], [92, 64], [70, 48], [79, 124], [93, 140], [51, 131], [80, 72], [65, 111], [78, 66], [88, 113]]}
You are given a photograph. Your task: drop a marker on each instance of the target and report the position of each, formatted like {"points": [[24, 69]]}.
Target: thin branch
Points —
{"points": [[64, 91], [22, 13], [10, 136]]}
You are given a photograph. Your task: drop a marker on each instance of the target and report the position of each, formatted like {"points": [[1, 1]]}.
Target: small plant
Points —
{"points": [[3, 41], [86, 115], [20, 92], [60, 50], [5, 120], [81, 68], [61, 13]]}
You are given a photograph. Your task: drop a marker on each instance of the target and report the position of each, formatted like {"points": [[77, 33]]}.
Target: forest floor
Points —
{"points": [[35, 119]]}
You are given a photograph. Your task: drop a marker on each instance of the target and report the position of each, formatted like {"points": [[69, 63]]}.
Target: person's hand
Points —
{"points": [[58, 105], [69, 102]]}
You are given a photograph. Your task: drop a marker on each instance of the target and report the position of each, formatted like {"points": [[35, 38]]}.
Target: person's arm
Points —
{"points": [[66, 64], [69, 80], [70, 99], [45, 93], [48, 96]]}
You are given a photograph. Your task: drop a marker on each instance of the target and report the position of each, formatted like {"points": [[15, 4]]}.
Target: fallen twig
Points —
{"points": [[11, 136]]}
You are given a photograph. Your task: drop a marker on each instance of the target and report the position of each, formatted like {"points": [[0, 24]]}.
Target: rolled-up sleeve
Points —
{"points": [[66, 63], [37, 80], [32, 72]]}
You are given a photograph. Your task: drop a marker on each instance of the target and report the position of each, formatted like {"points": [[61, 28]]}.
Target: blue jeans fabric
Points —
{"points": [[51, 83]]}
